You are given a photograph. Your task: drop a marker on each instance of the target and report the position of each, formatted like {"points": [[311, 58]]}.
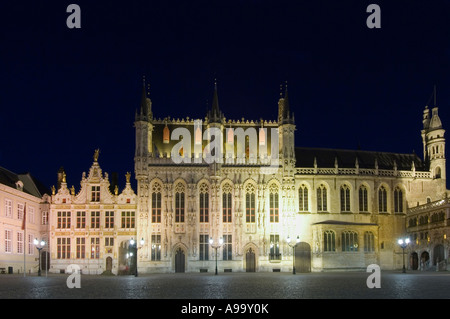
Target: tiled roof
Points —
{"points": [[347, 158], [31, 185]]}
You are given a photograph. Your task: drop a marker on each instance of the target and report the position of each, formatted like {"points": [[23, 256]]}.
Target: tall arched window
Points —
{"points": [[250, 204], [273, 196], [329, 240], [303, 198], [369, 242], [363, 199], [382, 200], [345, 198], [204, 203], [156, 203], [226, 203], [179, 203], [398, 200], [349, 241], [321, 198]]}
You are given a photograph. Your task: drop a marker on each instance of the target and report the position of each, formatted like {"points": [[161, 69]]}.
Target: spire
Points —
{"points": [[215, 103], [146, 104], [284, 113], [435, 121], [286, 101], [215, 115]]}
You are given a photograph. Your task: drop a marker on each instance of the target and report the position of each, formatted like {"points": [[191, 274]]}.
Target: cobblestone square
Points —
{"points": [[332, 285]]}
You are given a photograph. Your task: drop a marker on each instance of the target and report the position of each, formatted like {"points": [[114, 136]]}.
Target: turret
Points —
{"points": [[434, 142]]}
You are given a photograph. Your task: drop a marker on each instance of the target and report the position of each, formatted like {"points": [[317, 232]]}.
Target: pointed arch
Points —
{"points": [[363, 198], [250, 202], [383, 198], [203, 196], [156, 187], [345, 198], [399, 198], [322, 197], [274, 195], [227, 201], [303, 196], [180, 202], [383, 191]]}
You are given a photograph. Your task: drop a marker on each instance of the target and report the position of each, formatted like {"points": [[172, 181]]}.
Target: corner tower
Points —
{"points": [[434, 142]]}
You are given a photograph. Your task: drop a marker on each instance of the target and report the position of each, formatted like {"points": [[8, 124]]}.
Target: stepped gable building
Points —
{"points": [[259, 204], [92, 228], [24, 211]]}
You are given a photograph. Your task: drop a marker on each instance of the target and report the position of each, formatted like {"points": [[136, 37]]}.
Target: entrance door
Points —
{"points": [[109, 264], [303, 257], [179, 260], [250, 261], [45, 260]]}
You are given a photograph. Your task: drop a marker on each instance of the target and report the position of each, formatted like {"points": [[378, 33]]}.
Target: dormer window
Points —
{"points": [[19, 185], [95, 192]]}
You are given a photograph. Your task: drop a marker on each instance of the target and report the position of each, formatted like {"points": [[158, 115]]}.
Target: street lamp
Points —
{"points": [[293, 245], [134, 244], [39, 245], [403, 242], [211, 242]]}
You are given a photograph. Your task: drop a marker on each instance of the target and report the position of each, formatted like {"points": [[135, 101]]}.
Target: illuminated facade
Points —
{"points": [[92, 228], [24, 210], [347, 207]]}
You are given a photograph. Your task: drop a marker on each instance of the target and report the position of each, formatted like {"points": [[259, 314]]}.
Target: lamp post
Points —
{"points": [[39, 245], [293, 245], [211, 242], [134, 244], [403, 242]]}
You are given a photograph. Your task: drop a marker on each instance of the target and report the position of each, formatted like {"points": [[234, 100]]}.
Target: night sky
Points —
{"points": [[65, 92]]}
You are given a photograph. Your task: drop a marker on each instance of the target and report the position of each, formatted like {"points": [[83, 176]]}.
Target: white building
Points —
{"points": [[92, 228], [24, 209]]}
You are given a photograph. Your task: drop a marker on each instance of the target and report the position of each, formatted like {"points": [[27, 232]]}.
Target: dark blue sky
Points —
{"points": [[65, 92]]}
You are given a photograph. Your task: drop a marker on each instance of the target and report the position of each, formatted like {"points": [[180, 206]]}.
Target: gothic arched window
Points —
{"points": [[250, 204], [273, 196], [204, 203], [329, 240], [363, 199], [382, 200], [349, 241], [303, 198], [321, 198], [179, 203], [226, 203], [156, 203], [345, 198], [398, 200]]}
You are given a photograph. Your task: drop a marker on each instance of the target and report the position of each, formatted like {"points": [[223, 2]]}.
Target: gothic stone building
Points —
{"points": [[314, 209]]}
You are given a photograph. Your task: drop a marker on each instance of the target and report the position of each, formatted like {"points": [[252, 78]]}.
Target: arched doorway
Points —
{"points": [[303, 257], [438, 254], [109, 262], [414, 261], [180, 260], [250, 260]]}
